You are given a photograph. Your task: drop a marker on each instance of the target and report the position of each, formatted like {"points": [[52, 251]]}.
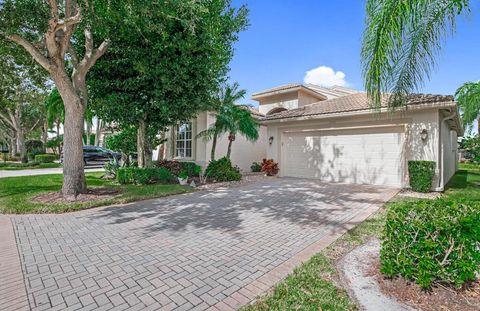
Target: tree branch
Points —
{"points": [[91, 55], [6, 120], [74, 55], [32, 50]]}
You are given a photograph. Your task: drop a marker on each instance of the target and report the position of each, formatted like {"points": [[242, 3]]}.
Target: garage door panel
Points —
{"points": [[366, 158]]}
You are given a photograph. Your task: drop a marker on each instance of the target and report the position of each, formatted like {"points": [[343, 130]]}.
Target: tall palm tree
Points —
{"points": [[400, 44], [230, 118], [468, 98]]}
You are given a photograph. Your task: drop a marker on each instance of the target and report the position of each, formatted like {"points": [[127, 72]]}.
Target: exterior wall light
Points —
{"points": [[424, 134], [270, 140]]}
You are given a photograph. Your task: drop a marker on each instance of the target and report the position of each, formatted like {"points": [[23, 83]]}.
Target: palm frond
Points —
{"points": [[468, 99], [401, 42], [208, 133]]}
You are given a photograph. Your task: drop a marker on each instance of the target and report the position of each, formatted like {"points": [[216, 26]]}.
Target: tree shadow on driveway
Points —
{"points": [[305, 203]]}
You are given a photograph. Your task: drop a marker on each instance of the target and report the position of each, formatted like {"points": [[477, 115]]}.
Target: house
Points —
{"points": [[333, 135]]}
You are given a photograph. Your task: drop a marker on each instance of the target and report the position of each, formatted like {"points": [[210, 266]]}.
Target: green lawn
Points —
{"points": [[26, 166], [311, 286], [16, 193]]}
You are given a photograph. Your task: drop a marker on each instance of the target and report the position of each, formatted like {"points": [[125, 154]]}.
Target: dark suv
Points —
{"points": [[95, 155]]}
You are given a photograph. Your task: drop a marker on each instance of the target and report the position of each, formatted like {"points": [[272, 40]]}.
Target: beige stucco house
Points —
{"points": [[332, 134]]}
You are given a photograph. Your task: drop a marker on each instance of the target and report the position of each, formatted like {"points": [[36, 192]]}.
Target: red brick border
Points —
{"points": [[13, 294], [261, 285]]}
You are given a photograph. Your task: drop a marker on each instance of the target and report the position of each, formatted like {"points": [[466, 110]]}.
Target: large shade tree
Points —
{"points": [[22, 89], [401, 42], [166, 68], [58, 35]]}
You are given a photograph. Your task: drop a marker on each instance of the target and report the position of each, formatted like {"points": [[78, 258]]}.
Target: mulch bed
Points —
{"points": [[93, 194], [438, 298]]}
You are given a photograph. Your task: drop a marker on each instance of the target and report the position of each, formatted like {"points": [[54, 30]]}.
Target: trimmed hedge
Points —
{"points": [[45, 158], [143, 176], [421, 175], [432, 241], [222, 170]]}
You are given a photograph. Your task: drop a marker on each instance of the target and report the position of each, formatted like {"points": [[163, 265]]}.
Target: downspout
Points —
{"points": [[440, 186]]}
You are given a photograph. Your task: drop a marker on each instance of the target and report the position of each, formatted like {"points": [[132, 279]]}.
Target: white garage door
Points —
{"points": [[354, 156]]}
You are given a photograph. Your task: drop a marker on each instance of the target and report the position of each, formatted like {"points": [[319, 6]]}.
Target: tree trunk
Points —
{"points": [[161, 149], [143, 147], [478, 125], [45, 135], [88, 133], [214, 146], [73, 164], [20, 135], [13, 143], [58, 138], [231, 139], [98, 131], [21, 146]]}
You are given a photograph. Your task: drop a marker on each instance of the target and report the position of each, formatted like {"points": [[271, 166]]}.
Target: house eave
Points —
{"points": [[259, 96], [363, 111]]}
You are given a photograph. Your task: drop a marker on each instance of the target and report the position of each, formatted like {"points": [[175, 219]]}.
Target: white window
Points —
{"points": [[183, 140]]}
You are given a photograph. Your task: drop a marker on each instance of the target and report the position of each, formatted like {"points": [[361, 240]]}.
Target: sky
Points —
{"points": [[319, 41]]}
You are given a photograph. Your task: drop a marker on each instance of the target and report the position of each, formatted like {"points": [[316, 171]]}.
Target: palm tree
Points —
{"points": [[230, 118], [468, 98], [400, 44], [55, 112]]}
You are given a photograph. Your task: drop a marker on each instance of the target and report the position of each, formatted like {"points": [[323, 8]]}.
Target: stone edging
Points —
{"points": [[13, 294]]}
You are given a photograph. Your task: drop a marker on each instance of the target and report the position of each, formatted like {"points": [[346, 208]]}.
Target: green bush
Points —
{"points": [[421, 175], [432, 241], [256, 167], [143, 176], [177, 168], [471, 145], [45, 158], [223, 170], [192, 169], [19, 165]]}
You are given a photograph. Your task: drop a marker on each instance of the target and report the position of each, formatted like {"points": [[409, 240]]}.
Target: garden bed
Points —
{"points": [[438, 298], [41, 194], [93, 194]]}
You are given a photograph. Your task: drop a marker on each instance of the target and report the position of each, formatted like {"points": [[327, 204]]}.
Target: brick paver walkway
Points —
{"points": [[216, 250]]}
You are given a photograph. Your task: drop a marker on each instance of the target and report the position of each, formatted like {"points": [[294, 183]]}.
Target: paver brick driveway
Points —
{"points": [[215, 249]]}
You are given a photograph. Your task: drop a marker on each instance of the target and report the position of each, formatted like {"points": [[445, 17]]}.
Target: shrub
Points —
{"points": [[270, 167], [173, 166], [223, 170], [34, 147], [176, 167], [111, 168], [432, 241], [192, 169], [143, 176], [472, 148], [421, 175], [45, 158], [256, 167]]}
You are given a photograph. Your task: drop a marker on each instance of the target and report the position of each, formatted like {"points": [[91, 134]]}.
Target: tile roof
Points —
{"points": [[256, 114], [278, 88], [352, 103]]}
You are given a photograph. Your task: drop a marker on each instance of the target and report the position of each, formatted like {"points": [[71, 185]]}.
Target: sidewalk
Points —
{"points": [[41, 171]]}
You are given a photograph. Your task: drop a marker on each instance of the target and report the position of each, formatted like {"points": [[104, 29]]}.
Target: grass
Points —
{"points": [[26, 166], [16, 193], [311, 286]]}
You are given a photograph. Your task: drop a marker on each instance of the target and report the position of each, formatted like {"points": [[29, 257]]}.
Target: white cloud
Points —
{"points": [[325, 76]]}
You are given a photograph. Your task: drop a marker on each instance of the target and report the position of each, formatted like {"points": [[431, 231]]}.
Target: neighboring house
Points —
{"points": [[333, 135]]}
